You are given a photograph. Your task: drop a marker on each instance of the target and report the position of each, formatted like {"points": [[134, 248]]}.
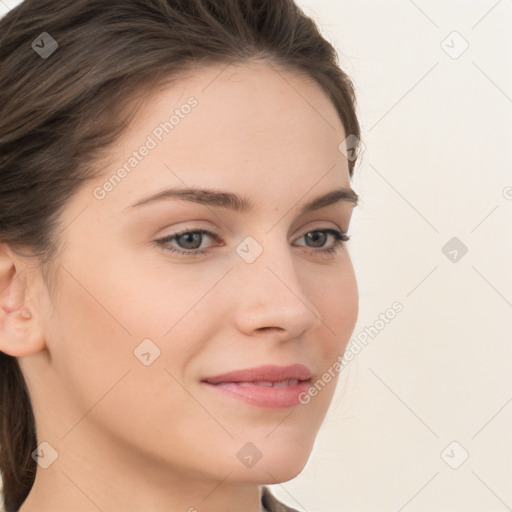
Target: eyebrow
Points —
{"points": [[229, 200]]}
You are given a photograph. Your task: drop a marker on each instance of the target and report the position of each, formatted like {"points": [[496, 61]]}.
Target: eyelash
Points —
{"points": [[339, 240]]}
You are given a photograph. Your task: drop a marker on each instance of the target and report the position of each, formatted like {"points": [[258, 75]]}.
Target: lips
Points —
{"points": [[268, 383], [270, 386], [268, 373]]}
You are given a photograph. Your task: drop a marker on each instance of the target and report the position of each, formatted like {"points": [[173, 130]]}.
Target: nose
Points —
{"points": [[271, 295]]}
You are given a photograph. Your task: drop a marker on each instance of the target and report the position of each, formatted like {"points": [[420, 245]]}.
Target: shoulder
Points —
{"points": [[271, 503]]}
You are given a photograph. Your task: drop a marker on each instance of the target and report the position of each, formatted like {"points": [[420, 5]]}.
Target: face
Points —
{"points": [[158, 297]]}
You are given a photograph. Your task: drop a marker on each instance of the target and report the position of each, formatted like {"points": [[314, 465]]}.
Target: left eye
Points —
{"points": [[189, 242]]}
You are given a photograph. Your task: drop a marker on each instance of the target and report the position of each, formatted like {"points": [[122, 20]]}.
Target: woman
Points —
{"points": [[176, 287]]}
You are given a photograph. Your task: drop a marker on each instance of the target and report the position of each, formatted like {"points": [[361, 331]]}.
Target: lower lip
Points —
{"points": [[263, 396]]}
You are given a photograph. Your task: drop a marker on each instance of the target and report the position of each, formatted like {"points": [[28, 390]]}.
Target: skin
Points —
{"points": [[133, 437]]}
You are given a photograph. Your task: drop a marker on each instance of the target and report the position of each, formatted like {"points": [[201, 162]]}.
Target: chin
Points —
{"points": [[280, 466], [284, 472]]}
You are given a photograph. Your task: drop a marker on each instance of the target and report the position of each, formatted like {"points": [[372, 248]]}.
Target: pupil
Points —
{"points": [[317, 236], [189, 242]]}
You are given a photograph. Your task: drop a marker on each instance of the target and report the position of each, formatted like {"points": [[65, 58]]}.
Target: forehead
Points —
{"points": [[252, 127], [254, 101]]}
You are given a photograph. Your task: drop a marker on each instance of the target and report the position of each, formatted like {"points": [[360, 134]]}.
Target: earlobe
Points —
{"points": [[19, 330]]}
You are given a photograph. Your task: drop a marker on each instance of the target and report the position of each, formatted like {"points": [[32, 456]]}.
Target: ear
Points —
{"points": [[20, 334]]}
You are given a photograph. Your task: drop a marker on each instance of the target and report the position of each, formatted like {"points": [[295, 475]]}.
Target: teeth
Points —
{"points": [[286, 383], [269, 384], [263, 383]]}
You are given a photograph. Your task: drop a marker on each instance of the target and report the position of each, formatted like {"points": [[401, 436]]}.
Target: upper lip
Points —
{"points": [[268, 373]]}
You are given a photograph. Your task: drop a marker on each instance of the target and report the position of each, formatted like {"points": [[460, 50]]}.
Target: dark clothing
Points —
{"points": [[271, 503]]}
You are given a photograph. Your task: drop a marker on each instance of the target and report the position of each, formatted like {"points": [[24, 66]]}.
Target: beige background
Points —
{"points": [[434, 385]]}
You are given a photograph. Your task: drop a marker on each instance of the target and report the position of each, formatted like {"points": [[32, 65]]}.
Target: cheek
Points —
{"points": [[107, 386], [335, 295], [91, 350], [110, 320]]}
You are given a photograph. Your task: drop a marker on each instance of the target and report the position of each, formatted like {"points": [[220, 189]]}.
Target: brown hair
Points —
{"points": [[60, 111]]}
